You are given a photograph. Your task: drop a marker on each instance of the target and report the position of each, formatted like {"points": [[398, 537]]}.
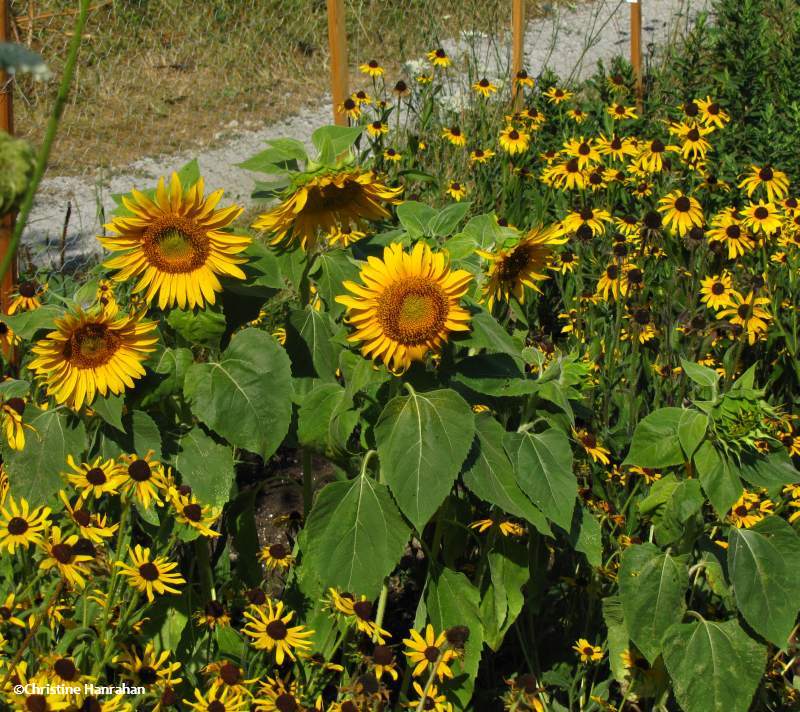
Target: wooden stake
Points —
{"points": [[517, 45], [337, 41], [636, 49], [6, 124]]}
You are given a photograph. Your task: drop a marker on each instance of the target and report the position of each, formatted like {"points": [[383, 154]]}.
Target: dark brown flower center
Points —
{"points": [[95, 476], [230, 674], [62, 553], [147, 675], [744, 311], [682, 204], [718, 288], [256, 596], [277, 630], [612, 272], [193, 512], [139, 471], [278, 551], [286, 702], [652, 220], [17, 405], [657, 146], [17, 526], [431, 653], [27, 290], [382, 655], [766, 174], [216, 706], [36, 703], [363, 609], [214, 609], [761, 212], [691, 109], [91, 704], [513, 134], [149, 571], [584, 149], [693, 135], [65, 669]]}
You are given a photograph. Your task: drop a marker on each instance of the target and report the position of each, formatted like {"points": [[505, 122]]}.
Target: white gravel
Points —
{"points": [[570, 41]]}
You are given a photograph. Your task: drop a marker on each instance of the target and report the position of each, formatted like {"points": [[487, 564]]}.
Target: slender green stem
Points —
{"points": [[381, 611], [49, 136], [308, 481], [204, 564]]}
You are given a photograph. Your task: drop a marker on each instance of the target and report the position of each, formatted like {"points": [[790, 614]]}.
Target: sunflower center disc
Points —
{"points": [[91, 346], [176, 245], [413, 311]]}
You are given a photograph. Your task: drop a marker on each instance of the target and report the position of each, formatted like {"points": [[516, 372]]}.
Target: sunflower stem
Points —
{"points": [[49, 136]]}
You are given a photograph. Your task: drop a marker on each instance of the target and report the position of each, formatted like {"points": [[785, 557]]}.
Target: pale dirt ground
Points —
{"points": [[569, 41]]}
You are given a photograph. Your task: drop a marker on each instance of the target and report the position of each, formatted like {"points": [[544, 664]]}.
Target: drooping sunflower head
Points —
{"points": [[406, 305], [174, 244], [521, 265], [324, 203], [92, 352]]}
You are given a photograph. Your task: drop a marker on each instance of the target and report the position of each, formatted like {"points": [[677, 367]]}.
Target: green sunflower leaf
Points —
{"points": [[762, 562], [652, 586], [26, 324], [206, 466], [246, 397], [422, 440], [719, 478], [715, 667], [543, 463], [655, 441], [355, 535], [35, 472]]}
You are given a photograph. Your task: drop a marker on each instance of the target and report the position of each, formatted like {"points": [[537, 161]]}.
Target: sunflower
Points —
{"points": [[276, 556], [775, 182], [520, 265], [762, 217], [620, 112], [150, 575], [681, 212], [588, 653], [484, 87], [726, 227], [406, 305], [27, 298], [456, 191], [556, 95], [90, 353], [428, 651], [20, 525], [748, 313], [716, 290], [711, 113], [61, 554], [514, 141], [480, 155], [269, 629], [12, 411], [454, 135], [175, 245], [592, 446], [438, 58], [324, 202]]}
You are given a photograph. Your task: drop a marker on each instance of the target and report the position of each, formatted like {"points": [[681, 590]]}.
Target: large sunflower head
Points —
{"points": [[92, 352], [521, 265], [406, 305], [325, 202], [174, 244]]}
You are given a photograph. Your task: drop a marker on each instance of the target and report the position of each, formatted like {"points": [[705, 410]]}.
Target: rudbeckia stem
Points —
{"points": [[49, 136], [308, 481]]}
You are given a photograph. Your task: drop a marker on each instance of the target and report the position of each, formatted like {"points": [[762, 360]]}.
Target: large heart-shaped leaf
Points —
{"points": [[206, 466]]}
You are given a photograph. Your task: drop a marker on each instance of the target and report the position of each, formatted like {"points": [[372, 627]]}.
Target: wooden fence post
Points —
{"points": [[517, 45], [6, 124], [636, 49], [337, 41]]}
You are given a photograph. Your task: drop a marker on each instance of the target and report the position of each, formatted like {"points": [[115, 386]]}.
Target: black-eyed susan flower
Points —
{"points": [[8, 337], [762, 217], [269, 629], [711, 113], [716, 290], [383, 662], [406, 306], [565, 261], [10, 611], [594, 218], [577, 115], [748, 313], [371, 68], [343, 236], [749, 510], [323, 202], [727, 227], [429, 651], [456, 190], [567, 175], [350, 108], [94, 478], [213, 615], [21, 526], [12, 410], [523, 79], [146, 667], [588, 653], [681, 212], [647, 473], [616, 147], [401, 89], [514, 141], [60, 554], [652, 156], [583, 150], [429, 699], [175, 245], [620, 112], [438, 58], [377, 128], [480, 155], [520, 265], [592, 446], [484, 87], [27, 297], [556, 95], [773, 181], [613, 282], [506, 527], [361, 98], [218, 699], [227, 674], [276, 556], [91, 353], [94, 527], [150, 575], [392, 155], [276, 695], [195, 515], [694, 146], [454, 135], [143, 478]]}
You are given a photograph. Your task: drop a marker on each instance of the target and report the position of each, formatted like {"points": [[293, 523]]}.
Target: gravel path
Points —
{"points": [[569, 41]]}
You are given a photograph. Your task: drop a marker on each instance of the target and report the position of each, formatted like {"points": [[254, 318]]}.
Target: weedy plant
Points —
{"points": [[519, 363]]}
